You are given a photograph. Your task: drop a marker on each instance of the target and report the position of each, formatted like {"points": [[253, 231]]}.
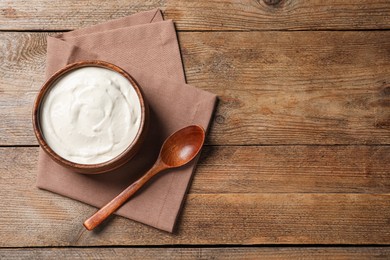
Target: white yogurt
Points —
{"points": [[90, 115]]}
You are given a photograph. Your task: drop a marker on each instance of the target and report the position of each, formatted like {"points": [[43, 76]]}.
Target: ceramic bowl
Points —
{"points": [[117, 161]]}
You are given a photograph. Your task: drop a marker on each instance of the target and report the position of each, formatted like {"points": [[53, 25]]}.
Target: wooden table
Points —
{"points": [[297, 163]]}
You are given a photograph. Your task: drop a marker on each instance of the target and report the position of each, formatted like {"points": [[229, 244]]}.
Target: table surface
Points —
{"points": [[297, 162]]}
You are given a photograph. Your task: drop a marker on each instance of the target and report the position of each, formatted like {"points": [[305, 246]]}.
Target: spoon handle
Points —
{"points": [[103, 213]]}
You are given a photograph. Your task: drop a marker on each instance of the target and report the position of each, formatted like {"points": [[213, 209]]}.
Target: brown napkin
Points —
{"points": [[145, 46]]}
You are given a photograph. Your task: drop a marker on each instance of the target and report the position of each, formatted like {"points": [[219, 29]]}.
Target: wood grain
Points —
{"points": [[202, 15], [300, 87], [259, 217], [295, 169], [199, 253], [298, 152], [247, 169], [274, 87], [244, 219]]}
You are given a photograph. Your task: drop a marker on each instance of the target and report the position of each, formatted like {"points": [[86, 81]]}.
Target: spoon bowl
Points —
{"points": [[182, 146], [178, 149]]}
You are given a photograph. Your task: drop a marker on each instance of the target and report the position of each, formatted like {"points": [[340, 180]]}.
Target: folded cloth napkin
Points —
{"points": [[146, 47]]}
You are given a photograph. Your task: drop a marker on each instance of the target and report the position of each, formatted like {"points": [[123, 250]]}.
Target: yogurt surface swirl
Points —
{"points": [[90, 115]]}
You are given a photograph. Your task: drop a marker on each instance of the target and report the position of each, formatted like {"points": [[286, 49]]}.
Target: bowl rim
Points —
{"points": [[45, 89]]}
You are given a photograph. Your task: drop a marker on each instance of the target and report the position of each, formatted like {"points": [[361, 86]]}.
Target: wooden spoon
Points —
{"points": [[178, 149]]}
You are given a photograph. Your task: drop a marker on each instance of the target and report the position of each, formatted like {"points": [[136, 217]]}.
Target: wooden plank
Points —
{"points": [[300, 87], [202, 15], [199, 253], [274, 87], [270, 169], [29, 215], [301, 169], [45, 219]]}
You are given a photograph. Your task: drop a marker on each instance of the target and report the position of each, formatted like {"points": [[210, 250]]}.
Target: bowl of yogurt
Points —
{"points": [[90, 116]]}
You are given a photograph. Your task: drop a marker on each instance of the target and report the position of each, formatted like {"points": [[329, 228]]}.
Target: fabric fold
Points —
{"points": [[146, 47]]}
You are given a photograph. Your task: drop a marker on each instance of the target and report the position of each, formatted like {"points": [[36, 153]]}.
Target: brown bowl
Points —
{"points": [[112, 164]]}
